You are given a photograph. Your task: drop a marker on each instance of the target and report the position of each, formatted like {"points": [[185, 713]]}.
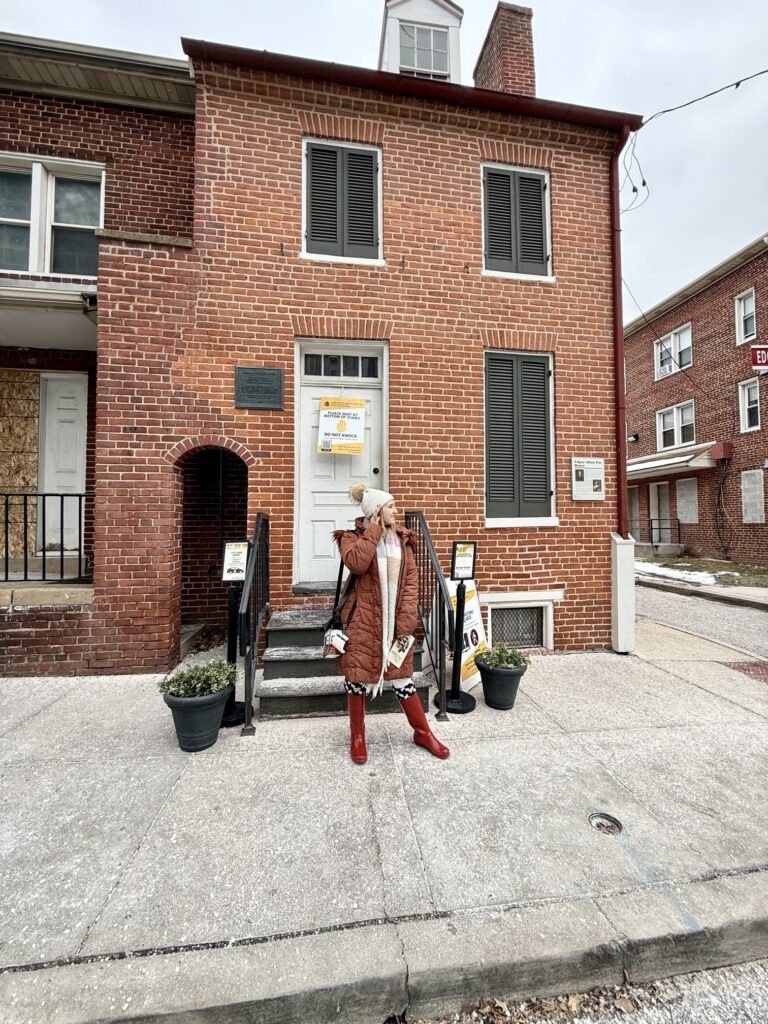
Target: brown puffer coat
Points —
{"points": [[361, 661]]}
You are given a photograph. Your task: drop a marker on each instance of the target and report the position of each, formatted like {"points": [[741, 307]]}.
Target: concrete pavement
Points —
{"points": [[270, 879], [745, 597]]}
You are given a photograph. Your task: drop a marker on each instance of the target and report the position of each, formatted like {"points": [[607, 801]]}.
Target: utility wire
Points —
{"points": [[706, 96]]}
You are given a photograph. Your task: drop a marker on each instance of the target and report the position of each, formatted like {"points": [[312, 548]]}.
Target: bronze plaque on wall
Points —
{"points": [[258, 387]]}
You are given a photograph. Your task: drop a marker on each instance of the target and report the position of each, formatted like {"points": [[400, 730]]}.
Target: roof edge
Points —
{"points": [[699, 284], [404, 85]]}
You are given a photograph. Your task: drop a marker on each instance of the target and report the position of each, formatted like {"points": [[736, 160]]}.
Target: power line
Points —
{"points": [[705, 96]]}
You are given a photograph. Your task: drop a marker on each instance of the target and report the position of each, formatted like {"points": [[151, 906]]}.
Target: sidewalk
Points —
{"points": [[270, 879], [747, 597]]}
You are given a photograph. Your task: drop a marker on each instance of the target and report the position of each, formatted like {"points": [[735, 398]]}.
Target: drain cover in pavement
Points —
{"points": [[605, 823]]}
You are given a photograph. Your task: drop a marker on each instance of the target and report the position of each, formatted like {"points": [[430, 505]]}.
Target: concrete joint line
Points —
{"points": [[699, 636]]}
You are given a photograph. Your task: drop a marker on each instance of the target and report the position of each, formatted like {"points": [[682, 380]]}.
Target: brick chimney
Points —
{"points": [[506, 62]]}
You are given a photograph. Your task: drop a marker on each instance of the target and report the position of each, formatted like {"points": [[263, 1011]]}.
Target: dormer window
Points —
{"points": [[423, 51]]}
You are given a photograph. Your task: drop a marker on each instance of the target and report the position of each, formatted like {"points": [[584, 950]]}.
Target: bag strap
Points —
{"points": [[338, 605]]}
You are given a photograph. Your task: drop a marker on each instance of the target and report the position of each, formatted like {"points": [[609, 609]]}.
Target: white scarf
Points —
{"points": [[388, 558]]}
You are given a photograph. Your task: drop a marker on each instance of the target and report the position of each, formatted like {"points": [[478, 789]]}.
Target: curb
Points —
{"points": [[423, 967], [687, 590]]}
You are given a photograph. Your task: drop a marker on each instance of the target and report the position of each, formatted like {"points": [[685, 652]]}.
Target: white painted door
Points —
{"points": [[323, 480], [63, 427], [634, 512], [660, 523]]}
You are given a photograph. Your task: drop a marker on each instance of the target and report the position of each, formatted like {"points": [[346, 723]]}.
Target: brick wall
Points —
{"points": [[171, 335], [718, 366], [506, 61], [148, 155]]}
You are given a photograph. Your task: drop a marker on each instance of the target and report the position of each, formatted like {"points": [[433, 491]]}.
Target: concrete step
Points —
{"points": [[294, 662], [297, 627], [318, 696]]}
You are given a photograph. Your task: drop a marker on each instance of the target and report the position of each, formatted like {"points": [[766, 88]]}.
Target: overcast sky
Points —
{"points": [[706, 166]]}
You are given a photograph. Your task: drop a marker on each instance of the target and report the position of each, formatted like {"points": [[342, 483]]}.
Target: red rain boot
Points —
{"points": [[422, 734], [356, 709]]}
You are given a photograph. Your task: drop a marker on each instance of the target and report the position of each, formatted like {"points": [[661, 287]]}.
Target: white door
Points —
{"points": [[63, 426], [323, 480], [634, 512], [660, 523]]}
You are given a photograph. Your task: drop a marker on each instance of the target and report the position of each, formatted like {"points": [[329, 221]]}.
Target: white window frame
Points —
{"points": [[546, 599], [545, 278], [415, 71], [671, 342], [678, 428], [744, 387], [741, 337], [45, 170], [324, 257]]}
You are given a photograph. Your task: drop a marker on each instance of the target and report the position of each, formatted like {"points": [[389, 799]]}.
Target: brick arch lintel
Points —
{"points": [[341, 327], [189, 444]]}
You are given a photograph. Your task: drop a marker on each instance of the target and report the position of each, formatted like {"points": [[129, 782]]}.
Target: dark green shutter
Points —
{"points": [[500, 436], [515, 222], [531, 224], [499, 213], [535, 484], [360, 204], [324, 206], [518, 442]]}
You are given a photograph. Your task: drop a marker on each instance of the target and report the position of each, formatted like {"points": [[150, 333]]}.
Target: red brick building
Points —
{"points": [[445, 254], [698, 408]]}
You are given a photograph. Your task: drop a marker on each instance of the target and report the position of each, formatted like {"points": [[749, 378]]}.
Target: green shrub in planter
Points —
{"points": [[196, 697], [501, 669]]}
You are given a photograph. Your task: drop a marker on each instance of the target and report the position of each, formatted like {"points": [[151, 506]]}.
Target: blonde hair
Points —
{"points": [[356, 492]]}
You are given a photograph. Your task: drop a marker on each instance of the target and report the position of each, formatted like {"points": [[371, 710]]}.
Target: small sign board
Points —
{"points": [[760, 357], [341, 429], [587, 479], [463, 560], [258, 387], [234, 562], [473, 640]]}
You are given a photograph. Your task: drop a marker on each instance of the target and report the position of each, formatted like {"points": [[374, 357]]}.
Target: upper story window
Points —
{"points": [[342, 202], [673, 352], [515, 223], [675, 426], [423, 51], [49, 212], [749, 405], [746, 323]]}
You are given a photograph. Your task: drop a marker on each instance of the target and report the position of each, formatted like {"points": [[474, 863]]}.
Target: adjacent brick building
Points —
{"points": [[698, 410], [442, 253]]}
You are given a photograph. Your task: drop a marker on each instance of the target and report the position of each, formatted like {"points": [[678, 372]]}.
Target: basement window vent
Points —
{"points": [[521, 627]]}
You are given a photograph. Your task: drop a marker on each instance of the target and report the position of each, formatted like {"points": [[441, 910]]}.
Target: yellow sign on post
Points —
{"points": [[342, 426]]}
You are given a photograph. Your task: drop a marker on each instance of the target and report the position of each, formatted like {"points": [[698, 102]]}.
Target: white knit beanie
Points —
{"points": [[369, 499]]}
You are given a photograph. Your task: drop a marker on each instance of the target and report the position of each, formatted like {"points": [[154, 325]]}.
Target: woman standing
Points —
{"points": [[381, 608]]}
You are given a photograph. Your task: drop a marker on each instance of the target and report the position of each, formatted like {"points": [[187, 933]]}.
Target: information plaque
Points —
{"points": [[258, 387]]}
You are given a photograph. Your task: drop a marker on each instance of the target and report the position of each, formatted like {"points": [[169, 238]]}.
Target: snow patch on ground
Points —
{"points": [[685, 576]]}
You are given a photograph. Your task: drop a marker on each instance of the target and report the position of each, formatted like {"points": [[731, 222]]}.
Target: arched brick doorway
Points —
{"points": [[215, 496]]}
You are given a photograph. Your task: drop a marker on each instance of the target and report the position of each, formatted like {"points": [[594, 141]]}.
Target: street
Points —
{"points": [[746, 628]]}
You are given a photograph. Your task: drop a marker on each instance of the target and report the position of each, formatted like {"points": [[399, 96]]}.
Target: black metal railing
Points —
{"points": [[435, 606], [253, 609], [656, 531], [46, 536]]}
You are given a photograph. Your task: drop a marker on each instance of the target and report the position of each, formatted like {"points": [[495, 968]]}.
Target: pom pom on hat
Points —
{"points": [[369, 499]]}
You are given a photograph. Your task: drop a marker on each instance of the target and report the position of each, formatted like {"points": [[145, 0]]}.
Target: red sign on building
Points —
{"points": [[760, 357]]}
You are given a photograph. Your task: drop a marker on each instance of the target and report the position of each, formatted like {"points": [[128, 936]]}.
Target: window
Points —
{"points": [[752, 496], [338, 364], [515, 221], [423, 51], [342, 201], [49, 212], [675, 426], [746, 324], [521, 627], [673, 352], [749, 405], [517, 436], [688, 500]]}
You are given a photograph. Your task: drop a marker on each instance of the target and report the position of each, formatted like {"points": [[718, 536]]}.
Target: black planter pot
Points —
{"points": [[500, 685], [197, 719]]}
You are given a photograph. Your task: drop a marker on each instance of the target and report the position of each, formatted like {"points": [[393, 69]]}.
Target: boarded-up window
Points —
{"points": [[688, 500], [752, 496]]}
